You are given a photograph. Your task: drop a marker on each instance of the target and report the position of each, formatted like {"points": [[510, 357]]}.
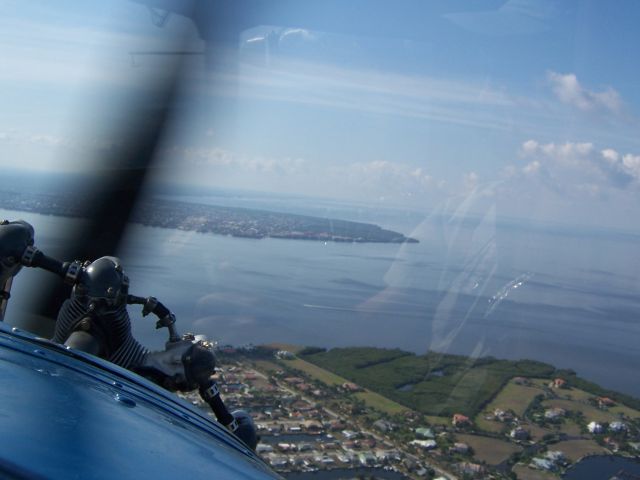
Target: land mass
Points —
{"points": [[236, 222], [425, 416], [438, 383]]}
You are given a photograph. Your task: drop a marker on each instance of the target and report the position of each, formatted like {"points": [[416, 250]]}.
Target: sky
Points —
{"points": [[529, 107]]}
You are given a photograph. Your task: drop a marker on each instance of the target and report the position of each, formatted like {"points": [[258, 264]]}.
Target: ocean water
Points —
{"points": [[471, 286]]}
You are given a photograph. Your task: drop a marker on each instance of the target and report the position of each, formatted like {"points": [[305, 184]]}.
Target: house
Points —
{"points": [[595, 428], [617, 427], [285, 355], [367, 459], [611, 444], [460, 420], [459, 447], [425, 444], [542, 464], [368, 443], [502, 415], [383, 425], [264, 448], [351, 387], [278, 461], [273, 413], [326, 460], [312, 426], [287, 447], [391, 455], [298, 462], [302, 406], [329, 446], [234, 387], [555, 456], [424, 433], [410, 463], [468, 468], [349, 445], [350, 434], [558, 383], [605, 402], [554, 413], [521, 381], [335, 425], [519, 434]]}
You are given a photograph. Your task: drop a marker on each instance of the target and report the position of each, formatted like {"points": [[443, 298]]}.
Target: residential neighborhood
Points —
{"points": [[309, 421]]}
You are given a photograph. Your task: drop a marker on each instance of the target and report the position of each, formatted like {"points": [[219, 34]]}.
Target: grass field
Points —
{"points": [[440, 384], [266, 366], [489, 450], [576, 449], [381, 403], [371, 399], [314, 371], [578, 395], [626, 411], [435, 420], [590, 412], [537, 432], [525, 473], [512, 397], [571, 428], [488, 425]]}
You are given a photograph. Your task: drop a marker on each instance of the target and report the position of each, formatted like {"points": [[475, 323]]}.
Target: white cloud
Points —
{"points": [[579, 166], [386, 177], [471, 180], [610, 155], [568, 90], [221, 158], [529, 146], [531, 168], [376, 180], [568, 153], [55, 141], [631, 164]]}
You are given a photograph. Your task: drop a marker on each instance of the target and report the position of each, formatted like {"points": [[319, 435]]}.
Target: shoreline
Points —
{"points": [[236, 222]]}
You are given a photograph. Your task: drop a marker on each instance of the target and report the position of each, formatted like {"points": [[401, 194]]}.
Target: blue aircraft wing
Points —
{"points": [[66, 414]]}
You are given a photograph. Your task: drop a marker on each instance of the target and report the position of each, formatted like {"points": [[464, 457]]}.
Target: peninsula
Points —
{"points": [[236, 222]]}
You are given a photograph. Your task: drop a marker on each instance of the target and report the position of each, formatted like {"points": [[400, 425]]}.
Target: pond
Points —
{"points": [[600, 467], [407, 387]]}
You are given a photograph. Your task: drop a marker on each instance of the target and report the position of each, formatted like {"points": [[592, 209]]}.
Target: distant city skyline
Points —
{"points": [[529, 108]]}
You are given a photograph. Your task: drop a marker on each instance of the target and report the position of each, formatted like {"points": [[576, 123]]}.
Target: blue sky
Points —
{"points": [[529, 106]]}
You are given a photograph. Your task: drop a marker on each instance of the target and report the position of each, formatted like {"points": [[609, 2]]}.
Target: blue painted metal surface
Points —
{"points": [[65, 414]]}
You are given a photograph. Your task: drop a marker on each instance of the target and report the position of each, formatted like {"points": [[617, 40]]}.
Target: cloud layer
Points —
{"points": [[580, 166], [568, 90]]}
